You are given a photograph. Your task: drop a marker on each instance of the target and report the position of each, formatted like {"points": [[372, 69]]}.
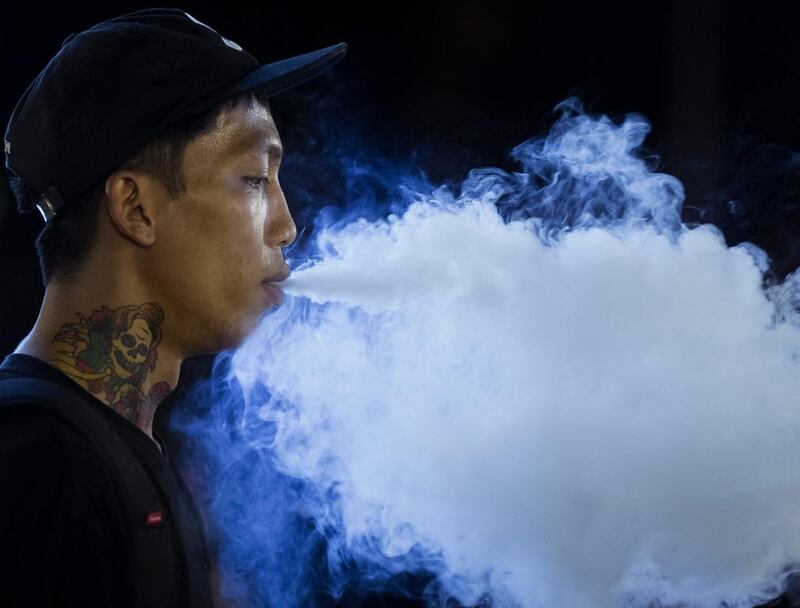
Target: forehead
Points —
{"points": [[239, 133], [246, 130]]}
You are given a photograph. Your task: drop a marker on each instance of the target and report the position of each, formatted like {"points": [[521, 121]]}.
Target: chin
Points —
{"points": [[225, 337], [236, 333], [234, 337], [227, 327]]}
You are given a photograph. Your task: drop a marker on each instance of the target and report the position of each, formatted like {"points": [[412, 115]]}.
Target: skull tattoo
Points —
{"points": [[130, 349]]}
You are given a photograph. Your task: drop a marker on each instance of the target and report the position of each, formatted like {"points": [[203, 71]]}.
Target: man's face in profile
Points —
{"points": [[220, 240]]}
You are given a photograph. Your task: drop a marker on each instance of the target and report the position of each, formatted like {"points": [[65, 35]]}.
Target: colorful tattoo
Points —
{"points": [[111, 352]]}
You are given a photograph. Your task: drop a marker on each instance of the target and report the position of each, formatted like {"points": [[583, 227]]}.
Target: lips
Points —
{"points": [[280, 276], [273, 290]]}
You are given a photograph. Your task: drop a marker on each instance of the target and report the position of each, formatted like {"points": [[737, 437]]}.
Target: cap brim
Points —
{"points": [[278, 76]]}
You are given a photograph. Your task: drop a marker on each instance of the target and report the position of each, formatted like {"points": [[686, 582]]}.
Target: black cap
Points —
{"points": [[113, 87]]}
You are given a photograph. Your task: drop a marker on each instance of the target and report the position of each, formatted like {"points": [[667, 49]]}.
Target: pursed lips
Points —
{"points": [[270, 285], [280, 276]]}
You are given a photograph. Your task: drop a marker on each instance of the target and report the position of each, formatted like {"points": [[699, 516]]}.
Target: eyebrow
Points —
{"points": [[271, 148], [265, 146]]}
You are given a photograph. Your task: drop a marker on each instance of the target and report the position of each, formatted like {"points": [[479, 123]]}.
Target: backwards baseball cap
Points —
{"points": [[113, 87]]}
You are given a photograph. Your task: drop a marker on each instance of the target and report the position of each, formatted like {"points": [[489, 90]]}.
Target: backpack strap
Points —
{"points": [[155, 568]]}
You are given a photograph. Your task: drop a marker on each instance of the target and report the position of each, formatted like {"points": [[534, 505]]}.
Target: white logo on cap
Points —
{"points": [[227, 42], [8, 147]]}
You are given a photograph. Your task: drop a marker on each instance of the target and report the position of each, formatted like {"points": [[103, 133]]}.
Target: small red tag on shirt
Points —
{"points": [[154, 518]]}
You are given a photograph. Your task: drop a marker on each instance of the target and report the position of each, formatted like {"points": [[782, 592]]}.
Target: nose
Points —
{"points": [[280, 230]]}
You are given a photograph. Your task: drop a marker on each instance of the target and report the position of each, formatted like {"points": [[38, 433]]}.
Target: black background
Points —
{"points": [[449, 86]]}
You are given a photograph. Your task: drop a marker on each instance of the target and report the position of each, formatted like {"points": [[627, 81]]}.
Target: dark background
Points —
{"points": [[448, 86]]}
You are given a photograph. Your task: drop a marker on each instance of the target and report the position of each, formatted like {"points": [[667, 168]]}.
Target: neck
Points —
{"points": [[114, 345]]}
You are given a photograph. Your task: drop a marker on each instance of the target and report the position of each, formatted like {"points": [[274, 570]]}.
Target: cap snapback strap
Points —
{"points": [[49, 204]]}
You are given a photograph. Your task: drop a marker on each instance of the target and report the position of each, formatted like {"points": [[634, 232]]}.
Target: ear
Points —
{"points": [[131, 199]]}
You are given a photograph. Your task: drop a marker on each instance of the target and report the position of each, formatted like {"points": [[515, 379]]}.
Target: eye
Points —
{"points": [[128, 340], [256, 182]]}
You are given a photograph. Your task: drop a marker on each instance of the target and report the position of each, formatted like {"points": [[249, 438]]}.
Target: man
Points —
{"points": [[148, 145]]}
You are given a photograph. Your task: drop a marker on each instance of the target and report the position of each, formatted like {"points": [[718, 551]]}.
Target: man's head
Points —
{"points": [[173, 191], [64, 242], [198, 214]]}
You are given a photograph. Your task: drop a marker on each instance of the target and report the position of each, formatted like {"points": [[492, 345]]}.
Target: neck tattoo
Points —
{"points": [[110, 353]]}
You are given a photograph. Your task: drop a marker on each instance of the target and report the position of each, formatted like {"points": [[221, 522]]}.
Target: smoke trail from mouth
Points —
{"points": [[544, 388]]}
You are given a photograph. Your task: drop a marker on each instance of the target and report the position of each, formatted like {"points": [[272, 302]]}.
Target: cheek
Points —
{"points": [[216, 262], [231, 273], [240, 255], [236, 231]]}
